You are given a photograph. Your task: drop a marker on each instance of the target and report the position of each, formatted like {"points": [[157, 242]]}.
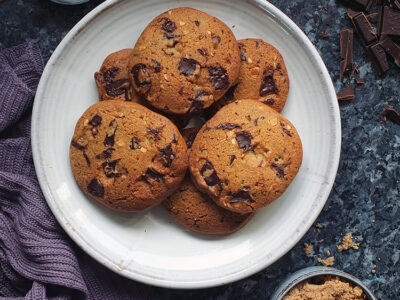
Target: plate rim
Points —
{"points": [[152, 280]]}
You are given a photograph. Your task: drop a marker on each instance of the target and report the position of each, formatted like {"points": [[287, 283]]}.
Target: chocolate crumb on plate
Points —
{"points": [[391, 114], [346, 93]]}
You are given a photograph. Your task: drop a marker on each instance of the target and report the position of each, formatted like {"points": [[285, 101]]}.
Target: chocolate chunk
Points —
{"points": [[95, 188], [346, 52], [167, 155], [105, 154], [373, 18], [109, 168], [231, 159], [391, 114], [109, 139], [364, 5], [197, 23], [391, 47], [228, 126], [284, 129], [116, 87], [242, 50], [157, 66], [230, 94], [378, 58], [109, 74], [244, 140], [280, 170], [153, 174], [168, 25], [346, 93], [219, 77], [187, 66], [96, 120], [241, 196], [86, 158], [359, 81], [389, 22], [77, 146], [364, 29], [155, 133], [269, 101], [202, 51], [268, 85], [190, 139], [135, 144], [197, 104], [140, 76], [211, 178]]}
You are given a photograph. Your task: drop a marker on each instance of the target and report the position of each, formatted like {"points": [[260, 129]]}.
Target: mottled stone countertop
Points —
{"points": [[365, 197]]}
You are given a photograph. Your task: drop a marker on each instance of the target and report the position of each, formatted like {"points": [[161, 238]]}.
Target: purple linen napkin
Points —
{"points": [[37, 259]]}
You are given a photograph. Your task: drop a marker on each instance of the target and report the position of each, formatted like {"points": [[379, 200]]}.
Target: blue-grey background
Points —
{"points": [[365, 197]]}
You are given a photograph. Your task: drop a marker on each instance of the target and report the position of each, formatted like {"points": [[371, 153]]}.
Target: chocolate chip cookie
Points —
{"points": [[184, 60], [196, 211], [112, 80], [263, 76], [126, 156], [245, 156]]}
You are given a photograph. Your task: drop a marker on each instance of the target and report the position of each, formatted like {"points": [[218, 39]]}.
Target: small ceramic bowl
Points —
{"points": [[304, 274]]}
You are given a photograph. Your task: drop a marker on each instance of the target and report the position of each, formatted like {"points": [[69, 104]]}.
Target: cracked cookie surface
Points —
{"points": [[184, 61], [126, 156], [263, 76], [246, 156]]}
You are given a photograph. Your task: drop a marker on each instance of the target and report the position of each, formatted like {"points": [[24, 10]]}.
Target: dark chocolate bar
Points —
{"points": [[389, 22], [364, 5], [391, 47], [379, 59], [364, 29]]}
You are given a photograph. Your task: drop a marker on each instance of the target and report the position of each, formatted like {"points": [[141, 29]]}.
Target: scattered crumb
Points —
{"points": [[318, 225], [348, 243], [391, 114], [307, 248], [328, 252], [373, 269], [328, 261], [321, 241]]}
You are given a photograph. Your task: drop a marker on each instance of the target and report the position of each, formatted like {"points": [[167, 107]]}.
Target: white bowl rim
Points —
{"points": [[231, 277]]}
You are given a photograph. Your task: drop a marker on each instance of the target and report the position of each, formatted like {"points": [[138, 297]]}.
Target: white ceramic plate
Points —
{"points": [[151, 247]]}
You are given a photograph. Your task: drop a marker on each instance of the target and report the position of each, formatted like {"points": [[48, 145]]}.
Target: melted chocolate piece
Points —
{"points": [[95, 188], [241, 196], [116, 88], [390, 113], [231, 159], [190, 139], [155, 133], [168, 25], [86, 158], [187, 66], [268, 85], [280, 170], [109, 74], [244, 140], [285, 130], [346, 52], [241, 51], [139, 81], [213, 178], [153, 174], [228, 126], [168, 155], [77, 146], [105, 154], [109, 168], [96, 120], [135, 144], [219, 77], [269, 101], [157, 66]]}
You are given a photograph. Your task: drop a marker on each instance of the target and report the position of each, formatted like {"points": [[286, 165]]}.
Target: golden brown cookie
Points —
{"points": [[245, 156], [112, 79], [126, 156], [184, 60], [263, 76], [196, 211]]}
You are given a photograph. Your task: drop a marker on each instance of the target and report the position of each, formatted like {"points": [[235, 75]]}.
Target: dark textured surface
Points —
{"points": [[365, 197]]}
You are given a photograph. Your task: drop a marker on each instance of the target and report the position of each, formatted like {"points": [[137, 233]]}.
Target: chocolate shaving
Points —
{"points": [[391, 114], [346, 52], [346, 93], [359, 81]]}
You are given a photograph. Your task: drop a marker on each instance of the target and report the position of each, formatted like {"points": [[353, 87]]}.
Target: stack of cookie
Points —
{"points": [[134, 152]]}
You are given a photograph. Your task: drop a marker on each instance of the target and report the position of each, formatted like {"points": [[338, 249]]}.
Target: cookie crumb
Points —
{"points": [[319, 226], [328, 261], [307, 248], [328, 252], [348, 243], [373, 271]]}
